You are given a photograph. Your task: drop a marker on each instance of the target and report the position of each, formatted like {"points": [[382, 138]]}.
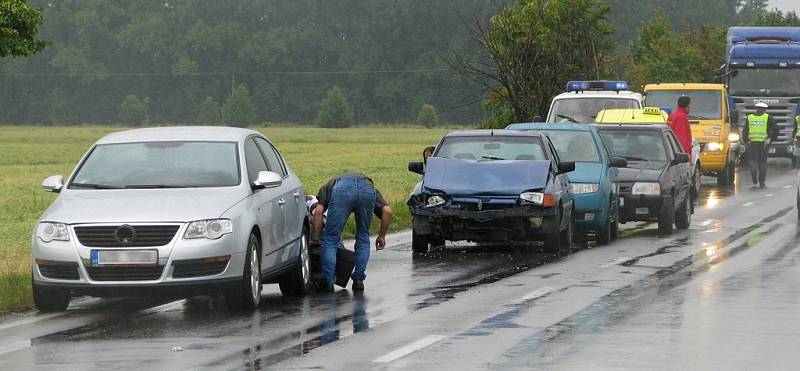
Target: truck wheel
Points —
{"points": [[297, 282], [666, 218], [683, 216], [50, 299], [419, 243], [724, 176], [246, 294]]}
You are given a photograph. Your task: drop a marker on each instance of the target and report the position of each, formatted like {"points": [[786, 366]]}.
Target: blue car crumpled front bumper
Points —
{"points": [[492, 223]]}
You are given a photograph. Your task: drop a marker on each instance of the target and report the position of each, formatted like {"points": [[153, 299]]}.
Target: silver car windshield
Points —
{"points": [[492, 148], [159, 165], [584, 110]]}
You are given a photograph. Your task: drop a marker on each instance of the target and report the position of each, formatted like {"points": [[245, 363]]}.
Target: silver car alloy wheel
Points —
{"points": [[255, 274]]}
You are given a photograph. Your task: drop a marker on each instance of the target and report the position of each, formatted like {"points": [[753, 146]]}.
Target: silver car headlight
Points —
{"points": [[646, 188], [211, 229], [48, 231], [580, 188], [533, 197], [436, 201]]}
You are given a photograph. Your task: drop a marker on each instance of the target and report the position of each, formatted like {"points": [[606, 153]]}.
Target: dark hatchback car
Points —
{"points": [[493, 186], [656, 184]]}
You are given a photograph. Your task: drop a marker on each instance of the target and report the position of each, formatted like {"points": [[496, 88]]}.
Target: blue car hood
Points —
{"points": [[457, 177], [586, 172]]}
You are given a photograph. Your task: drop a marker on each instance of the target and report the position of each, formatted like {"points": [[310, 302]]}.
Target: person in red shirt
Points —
{"points": [[679, 123]]}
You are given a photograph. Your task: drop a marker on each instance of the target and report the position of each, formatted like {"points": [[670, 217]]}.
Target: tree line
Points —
{"points": [[341, 62]]}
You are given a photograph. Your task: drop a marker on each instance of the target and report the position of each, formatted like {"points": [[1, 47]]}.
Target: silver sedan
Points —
{"points": [[183, 209]]}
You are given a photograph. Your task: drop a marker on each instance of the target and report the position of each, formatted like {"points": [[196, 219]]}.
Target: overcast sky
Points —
{"points": [[786, 5]]}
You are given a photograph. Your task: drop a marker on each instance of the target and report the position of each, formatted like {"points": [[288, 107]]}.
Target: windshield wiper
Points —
{"points": [[149, 186], [94, 186], [567, 118], [491, 158], [698, 117], [632, 158]]}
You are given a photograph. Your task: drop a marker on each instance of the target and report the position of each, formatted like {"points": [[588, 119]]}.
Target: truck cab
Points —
{"points": [[710, 120], [584, 99], [763, 66]]}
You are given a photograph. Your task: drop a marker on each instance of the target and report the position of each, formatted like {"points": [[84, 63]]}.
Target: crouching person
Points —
{"points": [[346, 194]]}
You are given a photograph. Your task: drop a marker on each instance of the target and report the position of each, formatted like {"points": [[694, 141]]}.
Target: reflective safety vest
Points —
{"points": [[797, 120], [757, 127]]}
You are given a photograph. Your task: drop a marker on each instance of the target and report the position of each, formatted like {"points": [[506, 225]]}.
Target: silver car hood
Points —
{"points": [[142, 205]]}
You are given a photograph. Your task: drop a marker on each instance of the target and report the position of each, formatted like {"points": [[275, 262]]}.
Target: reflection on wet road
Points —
{"points": [[709, 297]]}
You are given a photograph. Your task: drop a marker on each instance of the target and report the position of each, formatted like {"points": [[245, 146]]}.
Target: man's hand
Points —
{"points": [[380, 243]]}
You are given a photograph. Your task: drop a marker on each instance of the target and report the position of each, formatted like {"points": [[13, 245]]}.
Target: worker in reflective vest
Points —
{"points": [[759, 130], [796, 137]]}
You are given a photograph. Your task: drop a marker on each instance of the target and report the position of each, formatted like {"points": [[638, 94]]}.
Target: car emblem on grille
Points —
{"points": [[124, 234]]}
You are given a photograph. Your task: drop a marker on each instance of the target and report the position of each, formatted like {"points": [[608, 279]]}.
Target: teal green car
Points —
{"points": [[594, 181]]}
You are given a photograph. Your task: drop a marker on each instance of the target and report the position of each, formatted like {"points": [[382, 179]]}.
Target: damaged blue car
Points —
{"points": [[493, 186]]}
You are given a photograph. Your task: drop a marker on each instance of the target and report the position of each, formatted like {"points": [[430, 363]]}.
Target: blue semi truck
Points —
{"points": [[763, 66]]}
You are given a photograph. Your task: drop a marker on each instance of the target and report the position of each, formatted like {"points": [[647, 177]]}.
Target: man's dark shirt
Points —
{"points": [[324, 194]]}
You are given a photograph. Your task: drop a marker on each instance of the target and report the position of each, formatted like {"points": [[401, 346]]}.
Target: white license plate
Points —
{"points": [[642, 210], [124, 257], [772, 150]]}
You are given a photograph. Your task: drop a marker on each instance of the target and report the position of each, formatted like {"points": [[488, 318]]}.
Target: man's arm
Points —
{"points": [[746, 132], [386, 220], [316, 222], [772, 129]]}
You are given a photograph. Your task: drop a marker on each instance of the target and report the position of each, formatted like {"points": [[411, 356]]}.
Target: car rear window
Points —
{"points": [[492, 148]]}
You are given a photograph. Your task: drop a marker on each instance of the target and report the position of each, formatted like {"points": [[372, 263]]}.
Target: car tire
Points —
{"points": [[725, 177], [50, 299], [683, 216], [246, 294], [419, 243], [696, 181], [615, 230], [297, 282], [606, 234], [666, 218], [560, 242]]}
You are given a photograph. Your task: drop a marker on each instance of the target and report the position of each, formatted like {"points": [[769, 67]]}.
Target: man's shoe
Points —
{"points": [[762, 185], [358, 285]]}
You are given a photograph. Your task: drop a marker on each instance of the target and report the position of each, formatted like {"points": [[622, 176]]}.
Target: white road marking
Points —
{"points": [[15, 346], [537, 294], [787, 186], [769, 195], [746, 204], [408, 349], [614, 262], [29, 320]]}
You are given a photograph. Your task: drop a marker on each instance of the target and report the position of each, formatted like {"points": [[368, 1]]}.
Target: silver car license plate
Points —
{"points": [[642, 210], [124, 257]]}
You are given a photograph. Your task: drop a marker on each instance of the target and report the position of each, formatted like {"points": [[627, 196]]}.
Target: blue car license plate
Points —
{"points": [[124, 257]]}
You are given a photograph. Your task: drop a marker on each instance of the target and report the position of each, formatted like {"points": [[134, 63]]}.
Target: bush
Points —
{"points": [[500, 114], [238, 109], [427, 116], [335, 112], [209, 112], [133, 111]]}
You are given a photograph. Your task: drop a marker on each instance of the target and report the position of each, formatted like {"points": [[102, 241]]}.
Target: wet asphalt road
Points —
{"points": [[722, 295]]}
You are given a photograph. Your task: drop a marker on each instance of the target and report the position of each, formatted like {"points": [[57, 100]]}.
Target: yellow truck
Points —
{"points": [[710, 120]]}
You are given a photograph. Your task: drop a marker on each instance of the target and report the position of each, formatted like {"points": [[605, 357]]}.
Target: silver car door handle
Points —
{"points": [[296, 195], [281, 202]]}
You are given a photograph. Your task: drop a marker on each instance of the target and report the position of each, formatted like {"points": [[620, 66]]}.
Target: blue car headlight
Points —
{"points": [[581, 188], [436, 200]]}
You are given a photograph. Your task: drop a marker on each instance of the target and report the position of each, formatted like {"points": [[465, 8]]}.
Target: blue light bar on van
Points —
{"points": [[597, 85]]}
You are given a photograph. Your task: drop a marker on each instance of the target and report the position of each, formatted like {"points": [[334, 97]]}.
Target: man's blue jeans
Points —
{"points": [[349, 196]]}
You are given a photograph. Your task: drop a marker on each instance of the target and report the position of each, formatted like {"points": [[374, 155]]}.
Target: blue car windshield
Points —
{"points": [[578, 146], [159, 165], [492, 148], [635, 145]]}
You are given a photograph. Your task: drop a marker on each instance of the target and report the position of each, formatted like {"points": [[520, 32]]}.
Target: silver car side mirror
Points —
{"points": [[53, 183], [267, 179]]}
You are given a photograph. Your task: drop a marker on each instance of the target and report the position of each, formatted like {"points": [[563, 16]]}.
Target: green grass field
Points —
{"points": [[30, 154]]}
